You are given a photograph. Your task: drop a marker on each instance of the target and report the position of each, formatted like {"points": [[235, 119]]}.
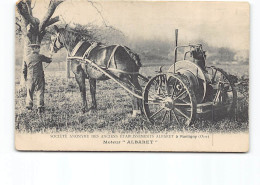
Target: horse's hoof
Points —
{"points": [[84, 110], [93, 109]]}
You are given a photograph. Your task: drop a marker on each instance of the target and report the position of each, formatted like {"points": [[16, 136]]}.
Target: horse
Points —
{"points": [[125, 62]]}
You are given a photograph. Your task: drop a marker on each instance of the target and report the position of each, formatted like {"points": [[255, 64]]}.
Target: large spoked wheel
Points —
{"points": [[169, 101], [227, 97]]}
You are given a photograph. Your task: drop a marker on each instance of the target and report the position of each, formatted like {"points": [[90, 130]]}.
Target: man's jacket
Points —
{"points": [[32, 67]]}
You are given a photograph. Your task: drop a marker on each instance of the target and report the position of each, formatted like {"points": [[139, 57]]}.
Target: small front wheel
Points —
{"points": [[169, 100]]}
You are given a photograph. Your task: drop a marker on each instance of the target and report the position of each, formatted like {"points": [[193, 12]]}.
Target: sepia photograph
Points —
{"points": [[132, 76]]}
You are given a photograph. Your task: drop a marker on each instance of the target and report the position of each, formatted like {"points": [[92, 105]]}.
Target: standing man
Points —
{"points": [[34, 77]]}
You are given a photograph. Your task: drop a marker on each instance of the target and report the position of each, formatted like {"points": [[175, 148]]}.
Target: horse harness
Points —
{"points": [[82, 52]]}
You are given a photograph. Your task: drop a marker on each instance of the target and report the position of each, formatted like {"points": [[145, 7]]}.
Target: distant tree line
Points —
{"points": [[149, 50]]}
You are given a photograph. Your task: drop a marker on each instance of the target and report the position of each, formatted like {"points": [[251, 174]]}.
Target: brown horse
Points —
{"points": [[121, 58]]}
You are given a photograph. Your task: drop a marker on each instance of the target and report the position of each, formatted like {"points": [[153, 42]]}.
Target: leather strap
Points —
{"points": [[111, 56], [76, 48], [87, 52]]}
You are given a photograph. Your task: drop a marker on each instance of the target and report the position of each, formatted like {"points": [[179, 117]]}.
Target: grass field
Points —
{"points": [[63, 109]]}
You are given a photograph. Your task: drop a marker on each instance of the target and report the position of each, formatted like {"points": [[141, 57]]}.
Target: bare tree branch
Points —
{"points": [[23, 10], [63, 20], [29, 3], [19, 20], [33, 5], [102, 17], [52, 7], [99, 12], [52, 21], [19, 29]]}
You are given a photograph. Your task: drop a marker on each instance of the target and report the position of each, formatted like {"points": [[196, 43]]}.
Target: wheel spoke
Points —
{"points": [[164, 116], [153, 94], [180, 95], [153, 103], [160, 88], [183, 104], [184, 101], [166, 86], [178, 110], [175, 83], [175, 117], [157, 112]]}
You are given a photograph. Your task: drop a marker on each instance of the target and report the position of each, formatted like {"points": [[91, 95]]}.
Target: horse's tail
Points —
{"points": [[134, 56]]}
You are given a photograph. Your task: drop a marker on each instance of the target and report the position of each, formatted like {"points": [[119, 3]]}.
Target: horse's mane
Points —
{"points": [[70, 37]]}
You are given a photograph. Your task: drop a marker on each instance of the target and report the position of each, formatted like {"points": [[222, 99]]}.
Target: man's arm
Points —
{"points": [[45, 59]]}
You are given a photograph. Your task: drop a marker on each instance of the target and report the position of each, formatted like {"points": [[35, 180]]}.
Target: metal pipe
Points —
{"points": [[176, 45]]}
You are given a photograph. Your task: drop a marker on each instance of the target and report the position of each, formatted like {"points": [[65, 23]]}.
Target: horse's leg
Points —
{"points": [[80, 78], [92, 84], [135, 86], [137, 103]]}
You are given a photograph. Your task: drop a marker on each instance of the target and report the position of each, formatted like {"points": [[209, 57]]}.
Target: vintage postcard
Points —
{"points": [[132, 76]]}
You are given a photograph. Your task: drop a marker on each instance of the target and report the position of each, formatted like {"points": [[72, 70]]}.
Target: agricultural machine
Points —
{"points": [[189, 89]]}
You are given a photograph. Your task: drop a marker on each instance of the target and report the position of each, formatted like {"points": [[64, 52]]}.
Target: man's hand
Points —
{"points": [[45, 59], [50, 60]]}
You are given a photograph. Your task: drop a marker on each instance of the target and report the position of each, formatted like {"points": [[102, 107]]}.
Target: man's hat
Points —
{"points": [[34, 45]]}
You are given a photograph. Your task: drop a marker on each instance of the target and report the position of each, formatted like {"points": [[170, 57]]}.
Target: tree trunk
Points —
{"points": [[32, 29]]}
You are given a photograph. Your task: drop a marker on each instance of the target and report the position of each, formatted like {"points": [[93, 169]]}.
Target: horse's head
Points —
{"points": [[56, 40]]}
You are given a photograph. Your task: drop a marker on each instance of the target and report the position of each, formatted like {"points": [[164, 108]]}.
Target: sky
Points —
{"points": [[221, 24]]}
